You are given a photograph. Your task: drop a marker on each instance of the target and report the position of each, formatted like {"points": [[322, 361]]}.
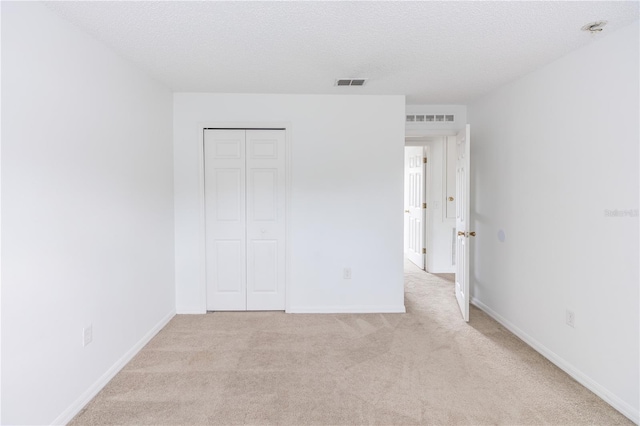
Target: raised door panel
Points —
{"points": [[264, 270], [264, 195], [228, 193], [228, 257]]}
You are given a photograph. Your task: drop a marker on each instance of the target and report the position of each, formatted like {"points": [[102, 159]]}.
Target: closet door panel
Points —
{"points": [[225, 218], [266, 191]]}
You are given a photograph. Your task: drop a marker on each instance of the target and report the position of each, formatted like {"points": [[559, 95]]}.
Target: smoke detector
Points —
{"points": [[351, 81], [594, 27]]}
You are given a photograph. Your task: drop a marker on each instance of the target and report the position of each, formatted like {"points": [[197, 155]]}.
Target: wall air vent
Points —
{"points": [[430, 118], [351, 81]]}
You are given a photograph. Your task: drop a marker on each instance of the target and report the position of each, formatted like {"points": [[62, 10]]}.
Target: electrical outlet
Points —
{"points": [[346, 273], [87, 335], [571, 318]]}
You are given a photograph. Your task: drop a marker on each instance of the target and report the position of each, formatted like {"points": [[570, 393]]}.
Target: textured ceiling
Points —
{"points": [[432, 52]]}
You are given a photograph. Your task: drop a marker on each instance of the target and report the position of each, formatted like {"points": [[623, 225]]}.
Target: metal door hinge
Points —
{"points": [[466, 234], [424, 251], [424, 160], [424, 205]]}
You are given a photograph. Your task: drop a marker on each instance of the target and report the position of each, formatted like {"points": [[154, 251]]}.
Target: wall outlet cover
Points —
{"points": [[346, 273], [570, 318]]}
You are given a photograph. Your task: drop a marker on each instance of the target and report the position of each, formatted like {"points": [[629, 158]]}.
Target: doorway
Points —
{"points": [[437, 203], [440, 185]]}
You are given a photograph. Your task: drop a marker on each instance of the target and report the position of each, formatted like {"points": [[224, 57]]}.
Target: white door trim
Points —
{"points": [[202, 273], [423, 141], [426, 153]]}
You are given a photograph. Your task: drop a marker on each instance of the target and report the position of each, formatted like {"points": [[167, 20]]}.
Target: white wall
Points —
{"points": [[347, 196], [87, 213], [550, 153]]}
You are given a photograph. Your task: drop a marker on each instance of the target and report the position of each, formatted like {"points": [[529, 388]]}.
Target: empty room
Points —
{"points": [[329, 213]]}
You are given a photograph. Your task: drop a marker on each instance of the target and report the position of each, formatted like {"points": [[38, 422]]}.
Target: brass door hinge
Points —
{"points": [[424, 251], [424, 205], [466, 234], [424, 160]]}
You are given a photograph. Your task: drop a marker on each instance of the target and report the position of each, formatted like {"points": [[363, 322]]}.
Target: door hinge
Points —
{"points": [[424, 160], [424, 205], [424, 251]]}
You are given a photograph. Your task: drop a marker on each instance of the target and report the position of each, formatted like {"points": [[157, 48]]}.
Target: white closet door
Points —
{"points": [[225, 215], [266, 182], [245, 187]]}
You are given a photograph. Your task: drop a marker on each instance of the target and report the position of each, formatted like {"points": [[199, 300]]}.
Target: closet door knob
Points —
{"points": [[450, 198]]}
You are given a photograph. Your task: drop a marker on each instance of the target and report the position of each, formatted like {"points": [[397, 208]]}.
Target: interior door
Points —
{"points": [[225, 218], [463, 161], [245, 189], [415, 210]]}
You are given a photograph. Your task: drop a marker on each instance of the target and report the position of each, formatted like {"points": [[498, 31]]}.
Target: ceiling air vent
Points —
{"points": [[351, 81]]}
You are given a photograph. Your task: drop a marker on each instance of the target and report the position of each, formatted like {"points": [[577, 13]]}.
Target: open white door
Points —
{"points": [[415, 210], [463, 163]]}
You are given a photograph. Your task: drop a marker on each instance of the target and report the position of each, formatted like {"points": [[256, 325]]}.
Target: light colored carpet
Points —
{"points": [[423, 367]]}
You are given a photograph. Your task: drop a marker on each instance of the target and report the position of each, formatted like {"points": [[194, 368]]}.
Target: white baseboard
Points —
{"points": [[354, 309], [190, 311], [613, 400], [68, 414], [442, 272]]}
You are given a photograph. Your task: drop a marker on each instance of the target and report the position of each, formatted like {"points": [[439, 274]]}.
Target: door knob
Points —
{"points": [[461, 234], [472, 234], [450, 198]]}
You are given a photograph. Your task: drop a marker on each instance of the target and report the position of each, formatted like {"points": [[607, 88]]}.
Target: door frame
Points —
{"points": [[242, 125], [422, 140]]}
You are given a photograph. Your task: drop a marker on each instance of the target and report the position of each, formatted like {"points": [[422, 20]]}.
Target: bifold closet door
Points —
{"points": [[245, 184]]}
